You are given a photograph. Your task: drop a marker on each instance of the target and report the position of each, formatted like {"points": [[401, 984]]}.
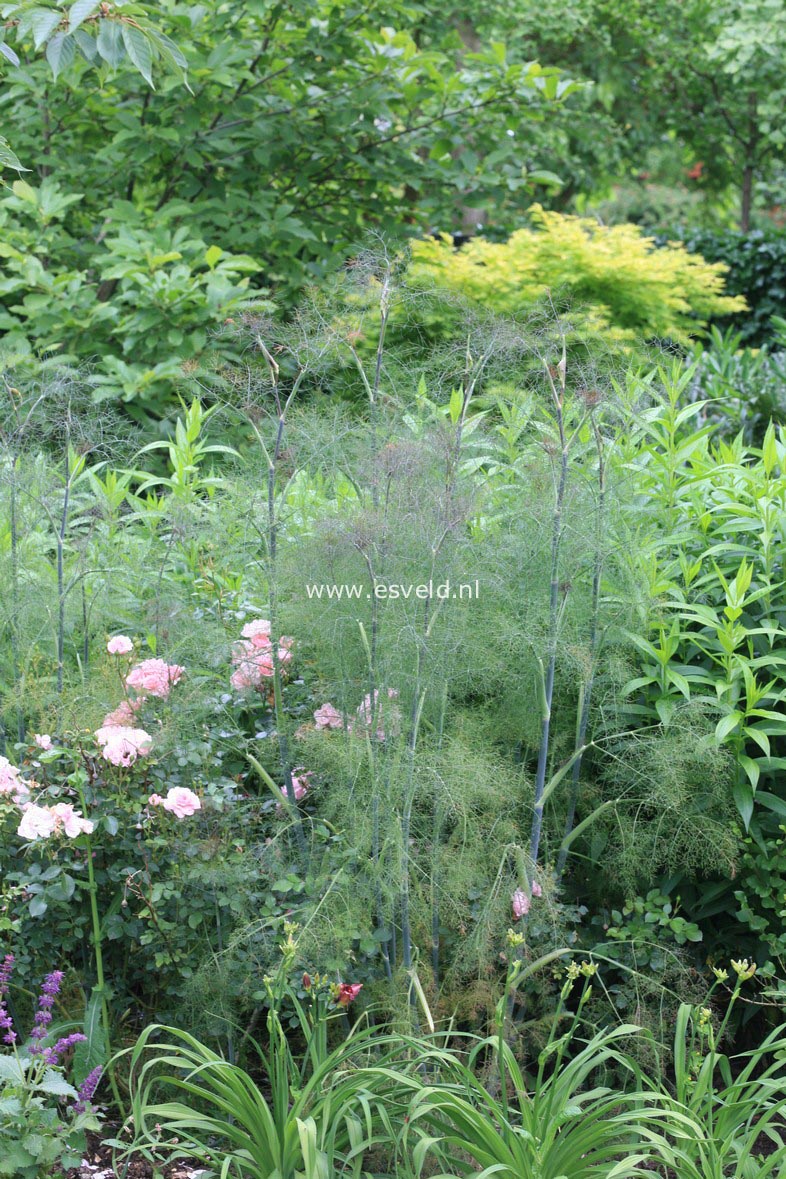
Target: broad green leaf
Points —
{"points": [[80, 11], [86, 45], [139, 51], [7, 52], [43, 23], [92, 1051], [11, 1069], [743, 800], [60, 52], [37, 906], [726, 725], [751, 769], [109, 43], [55, 1084], [8, 158]]}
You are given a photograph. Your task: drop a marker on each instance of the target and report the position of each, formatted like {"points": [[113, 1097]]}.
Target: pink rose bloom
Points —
{"points": [[253, 660], [241, 680], [155, 800], [37, 822], [12, 783], [520, 903], [123, 745], [369, 709], [181, 802], [537, 891], [123, 714], [43, 740], [252, 656], [258, 632], [120, 645], [252, 665], [154, 677], [71, 822], [300, 784], [328, 717]]}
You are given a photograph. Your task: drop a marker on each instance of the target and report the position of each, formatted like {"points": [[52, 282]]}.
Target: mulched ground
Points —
{"points": [[97, 1164]]}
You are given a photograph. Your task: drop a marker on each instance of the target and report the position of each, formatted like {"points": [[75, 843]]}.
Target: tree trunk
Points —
{"points": [[749, 169], [747, 198]]}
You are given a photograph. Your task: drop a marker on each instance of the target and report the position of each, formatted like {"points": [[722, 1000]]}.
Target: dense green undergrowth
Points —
{"points": [[493, 652]]}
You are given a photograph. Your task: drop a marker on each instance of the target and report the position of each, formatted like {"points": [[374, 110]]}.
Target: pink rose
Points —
{"points": [[154, 677], [369, 710], [252, 656], [12, 782], [37, 822], [328, 717], [300, 784], [258, 632], [155, 800], [43, 740], [252, 665], [520, 903], [181, 802], [123, 714], [71, 822], [120, 645], [122, 745]]}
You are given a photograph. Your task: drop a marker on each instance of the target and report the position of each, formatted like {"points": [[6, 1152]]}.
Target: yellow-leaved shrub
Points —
{"points": [[629, 287]]}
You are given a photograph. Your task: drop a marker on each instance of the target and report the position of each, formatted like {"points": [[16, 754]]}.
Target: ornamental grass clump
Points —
{"points": [[305, 1114], [723, 1117]]}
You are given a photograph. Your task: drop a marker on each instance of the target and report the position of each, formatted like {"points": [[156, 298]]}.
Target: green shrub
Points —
{"points": [[137, 311], [742, 388], [626, 289], [756, 271]]}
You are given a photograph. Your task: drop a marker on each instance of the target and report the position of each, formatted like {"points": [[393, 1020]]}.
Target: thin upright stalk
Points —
{"points": [[594, 647], [61, 591], [272, 551], [14, 627], [406, 820], [557, 527], [85, 635], [372, 387], [472, 375], [100, 987], [437, 817]]}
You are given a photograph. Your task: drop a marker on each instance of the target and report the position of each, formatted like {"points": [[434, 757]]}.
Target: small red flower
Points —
{"points": [[306, 982], [348, 992]]}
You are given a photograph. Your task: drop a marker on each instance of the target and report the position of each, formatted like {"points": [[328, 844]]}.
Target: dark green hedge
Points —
{"points": [[757, 262]]}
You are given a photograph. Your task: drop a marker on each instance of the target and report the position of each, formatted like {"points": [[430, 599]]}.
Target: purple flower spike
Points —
{"points": [[46, 1001], [6, 970], [87, 1090], [52, 1055], [6, 1023]]}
